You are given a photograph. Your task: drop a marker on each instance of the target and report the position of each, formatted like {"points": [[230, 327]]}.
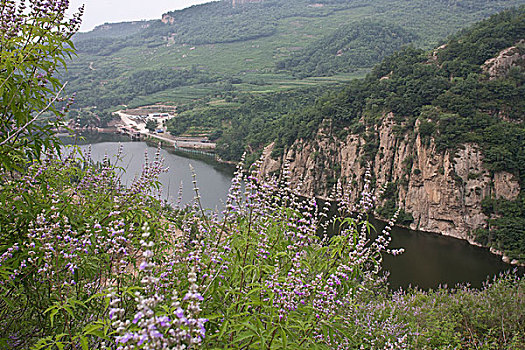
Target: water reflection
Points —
{"points": [[430, 260]]}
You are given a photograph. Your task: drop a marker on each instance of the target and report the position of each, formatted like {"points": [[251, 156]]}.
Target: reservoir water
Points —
{"points": [[213, 179], [429, 260]]}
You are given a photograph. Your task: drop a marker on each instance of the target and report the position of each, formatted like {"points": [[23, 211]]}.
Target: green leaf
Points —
{"points": [[284, 338], [52, 315], [223, 329], [69, 311], [84, 343], [242, 337]]}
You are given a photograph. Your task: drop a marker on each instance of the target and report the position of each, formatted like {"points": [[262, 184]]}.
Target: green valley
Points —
{"points": [[215, 49]]}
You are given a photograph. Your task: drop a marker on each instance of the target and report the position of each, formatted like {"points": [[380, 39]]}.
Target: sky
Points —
{"points": [[102, 11]]}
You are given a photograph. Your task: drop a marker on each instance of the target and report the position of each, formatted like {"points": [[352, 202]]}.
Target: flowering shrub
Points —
{"points": [[268, 278], [457, 318], [69, 230], [260, 275]]}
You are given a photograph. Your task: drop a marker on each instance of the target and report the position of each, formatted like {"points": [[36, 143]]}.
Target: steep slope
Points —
{"points": [[219, 42], [352, 46], [443, 131]]}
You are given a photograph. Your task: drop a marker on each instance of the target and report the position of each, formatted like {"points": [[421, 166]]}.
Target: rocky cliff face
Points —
{"points": [[443, 191], [167, 19], [510, 57]]}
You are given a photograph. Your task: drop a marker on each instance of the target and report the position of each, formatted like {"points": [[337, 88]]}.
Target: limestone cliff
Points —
{"points": [[500, 65], [442, 190], [167, 19]]}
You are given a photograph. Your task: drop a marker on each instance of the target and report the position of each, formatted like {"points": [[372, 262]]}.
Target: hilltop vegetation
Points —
{"points": [[246, 44], [356, 45], [447, 89], [112, 30], [418, 82]]}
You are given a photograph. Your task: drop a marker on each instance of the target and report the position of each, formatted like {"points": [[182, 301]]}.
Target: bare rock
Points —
{"points": [[442, 191]]}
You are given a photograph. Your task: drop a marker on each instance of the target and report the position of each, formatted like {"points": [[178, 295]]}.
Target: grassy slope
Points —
{"points": [[254, 60]]}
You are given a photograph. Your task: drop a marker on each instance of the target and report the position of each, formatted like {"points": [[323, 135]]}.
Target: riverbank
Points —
{"points": [[229, 166], [194, 147], [138, 124]]}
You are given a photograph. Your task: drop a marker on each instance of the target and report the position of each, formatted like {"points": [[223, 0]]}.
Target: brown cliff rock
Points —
{"points": [[442, 191], [499, 66]]}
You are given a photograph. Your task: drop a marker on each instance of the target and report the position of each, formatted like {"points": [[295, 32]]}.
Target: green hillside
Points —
{"points": [[353, 46], [112, 31], [210, 45], [451, 92]]}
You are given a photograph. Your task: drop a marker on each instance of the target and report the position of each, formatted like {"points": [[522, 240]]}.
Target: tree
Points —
{"points": [[151, 125], [35, 41]]}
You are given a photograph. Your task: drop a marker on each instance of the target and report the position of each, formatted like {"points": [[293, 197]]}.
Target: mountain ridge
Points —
{"points": [[244, 44]]}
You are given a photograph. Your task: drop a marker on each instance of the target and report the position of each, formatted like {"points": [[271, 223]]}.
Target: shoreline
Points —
{"points": [[165, 144], [189, 153], [504, 258], [137, 128], [492, 250]]}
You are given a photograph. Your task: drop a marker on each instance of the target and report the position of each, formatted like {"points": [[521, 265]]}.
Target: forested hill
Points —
{"points": [[352, 46], [203, 51], [469, 91]]}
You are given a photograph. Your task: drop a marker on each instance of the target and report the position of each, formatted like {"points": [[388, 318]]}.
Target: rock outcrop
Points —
{"points": [[510, 57], [443, 191], [167, 19]]}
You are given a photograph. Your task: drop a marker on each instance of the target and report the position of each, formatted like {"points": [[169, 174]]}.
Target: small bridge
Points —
{"points": [[194, 151]]}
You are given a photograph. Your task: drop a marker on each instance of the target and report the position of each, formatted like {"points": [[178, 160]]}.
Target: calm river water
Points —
{"points": [[429, 259], [213, 179]]}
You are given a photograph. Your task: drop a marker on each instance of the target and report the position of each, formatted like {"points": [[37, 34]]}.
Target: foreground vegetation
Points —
{"points": [[87, 263]]}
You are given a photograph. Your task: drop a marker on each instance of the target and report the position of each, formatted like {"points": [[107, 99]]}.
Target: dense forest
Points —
{"points": [[352, 46], [250, 125]]}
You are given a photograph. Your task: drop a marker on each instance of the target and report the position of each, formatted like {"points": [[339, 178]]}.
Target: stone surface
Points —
{"points": [[507, 58], [442, 191]]}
